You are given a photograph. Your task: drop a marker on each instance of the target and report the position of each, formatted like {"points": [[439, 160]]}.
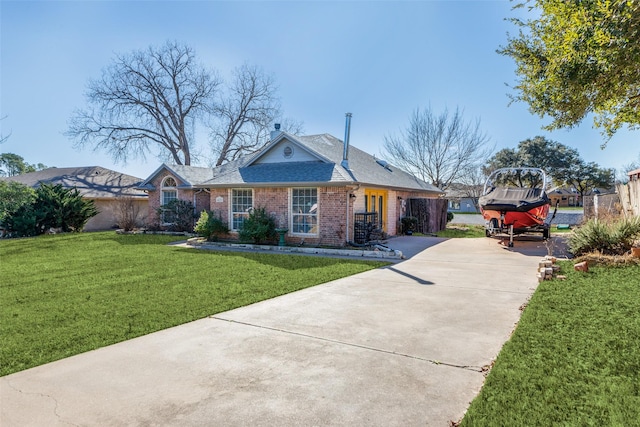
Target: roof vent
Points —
{"points": [[384, 164]]}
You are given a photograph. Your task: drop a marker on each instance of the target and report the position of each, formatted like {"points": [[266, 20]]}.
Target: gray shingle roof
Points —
{"points": [[364, 167], [91, 181], [327, 170], [188, 175], [296, 172]]}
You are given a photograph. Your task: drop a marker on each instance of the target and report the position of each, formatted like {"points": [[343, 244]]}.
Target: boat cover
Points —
{"points": [[513, 199]]}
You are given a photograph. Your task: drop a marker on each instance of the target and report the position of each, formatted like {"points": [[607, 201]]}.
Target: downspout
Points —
{"points": [[345, 163], [348, 200]]}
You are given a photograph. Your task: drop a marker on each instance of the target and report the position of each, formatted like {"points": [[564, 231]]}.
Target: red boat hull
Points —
{"points": [[530, 218]]}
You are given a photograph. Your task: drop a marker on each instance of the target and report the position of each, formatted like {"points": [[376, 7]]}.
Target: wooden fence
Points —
{"points": [[625, 202], [431, 214], [629, 198], [601, 206]]}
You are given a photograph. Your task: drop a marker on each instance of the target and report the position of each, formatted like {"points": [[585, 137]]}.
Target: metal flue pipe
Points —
{"points": [[347, 132]]}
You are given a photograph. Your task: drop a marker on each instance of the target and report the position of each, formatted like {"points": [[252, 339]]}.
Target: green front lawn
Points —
{"points": [[66, 294], [460, 230], [574, 358], [568, 208]]}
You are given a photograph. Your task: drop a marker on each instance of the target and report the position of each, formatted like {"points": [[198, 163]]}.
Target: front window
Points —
{"points": [[241, 205], [304, 208], [169, 193]]}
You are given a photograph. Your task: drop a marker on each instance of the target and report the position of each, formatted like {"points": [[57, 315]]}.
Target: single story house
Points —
{"points": [[107, 188], [316, 187], [564, 197], [460, 198]]}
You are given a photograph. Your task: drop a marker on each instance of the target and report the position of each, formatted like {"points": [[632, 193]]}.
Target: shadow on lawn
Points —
{"points": [[286, 261]]}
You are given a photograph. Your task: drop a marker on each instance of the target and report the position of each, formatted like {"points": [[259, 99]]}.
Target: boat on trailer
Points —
{"points": [[514, 201]]}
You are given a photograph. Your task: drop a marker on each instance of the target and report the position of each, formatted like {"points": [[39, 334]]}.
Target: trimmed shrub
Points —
{"points": [[54, 207], [259, 227], [211, 226], [409, 224], [606, 237], [177, 215], [449, 216]]}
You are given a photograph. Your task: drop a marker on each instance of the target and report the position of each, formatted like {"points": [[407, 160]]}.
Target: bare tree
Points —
{"points": [[472, 183], [3, 137], [260, 135], [146, 99], [622, 175], [244, 114], [438, 149]]}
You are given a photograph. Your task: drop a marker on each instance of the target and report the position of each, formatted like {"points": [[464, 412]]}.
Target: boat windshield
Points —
{"points": [[516, 177]]}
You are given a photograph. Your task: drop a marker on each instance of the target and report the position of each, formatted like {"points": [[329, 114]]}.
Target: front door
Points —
{"points": [[376, 201]]}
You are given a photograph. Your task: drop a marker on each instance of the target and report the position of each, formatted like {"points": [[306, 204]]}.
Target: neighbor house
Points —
{"points": [[107, 188], [463, 198], [317, 188], [564, 197]]}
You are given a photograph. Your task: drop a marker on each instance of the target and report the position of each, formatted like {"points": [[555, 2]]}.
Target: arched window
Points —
{"points": [[169, 192]]}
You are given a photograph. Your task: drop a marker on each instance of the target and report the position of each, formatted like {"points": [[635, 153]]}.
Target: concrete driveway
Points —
{"points": [[399, 346]]}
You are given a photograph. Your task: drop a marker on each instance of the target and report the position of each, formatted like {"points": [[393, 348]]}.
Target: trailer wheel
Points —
{"points": [[491, 228]]}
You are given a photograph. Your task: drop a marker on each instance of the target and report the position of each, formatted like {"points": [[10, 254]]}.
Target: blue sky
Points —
{"points": [[378, 60]]}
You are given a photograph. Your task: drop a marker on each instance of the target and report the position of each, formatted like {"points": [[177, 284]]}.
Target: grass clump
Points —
{"points": [[574, 358], [66, 294], [608, 237], [456, 231]]}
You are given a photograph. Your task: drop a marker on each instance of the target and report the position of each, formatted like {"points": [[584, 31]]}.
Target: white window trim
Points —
{"points": [[164, 188], [230, 205], [291, 213]]}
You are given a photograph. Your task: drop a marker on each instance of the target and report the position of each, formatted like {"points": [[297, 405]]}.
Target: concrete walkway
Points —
{"points": [[400, 346]]}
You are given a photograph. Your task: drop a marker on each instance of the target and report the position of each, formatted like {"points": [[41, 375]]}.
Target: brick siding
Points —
{"points": [[155, 198], [332, 208]]}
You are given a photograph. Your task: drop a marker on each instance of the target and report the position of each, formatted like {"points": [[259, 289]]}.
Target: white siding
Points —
{"points": [[277, 154]]}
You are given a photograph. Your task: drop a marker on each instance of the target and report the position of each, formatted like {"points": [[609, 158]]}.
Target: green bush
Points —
{"points": [[13, 196], [211, 226], [259, 227], [449, 216], [177, 215], [607, 237], [409, 224], [54, 207], [22, 223]]}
